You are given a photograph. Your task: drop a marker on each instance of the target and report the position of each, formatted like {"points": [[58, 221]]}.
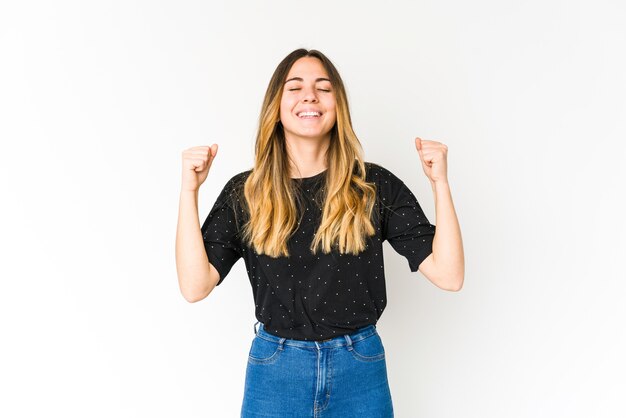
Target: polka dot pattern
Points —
{"points": [[319, 296]]}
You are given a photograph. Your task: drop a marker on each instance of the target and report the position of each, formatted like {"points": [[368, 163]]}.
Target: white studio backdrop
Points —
{"points": [[99, 99]]}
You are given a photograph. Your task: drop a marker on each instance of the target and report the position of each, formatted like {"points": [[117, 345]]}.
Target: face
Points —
{"points": [[308, 88]]}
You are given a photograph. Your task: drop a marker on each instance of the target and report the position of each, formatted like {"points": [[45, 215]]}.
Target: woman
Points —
{"points": [[309, 220]]}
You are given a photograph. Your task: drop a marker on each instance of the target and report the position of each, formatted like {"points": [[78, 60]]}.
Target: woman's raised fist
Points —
{"points": [[196, 164]]}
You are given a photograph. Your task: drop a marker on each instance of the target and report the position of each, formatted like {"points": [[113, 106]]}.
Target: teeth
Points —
{"points": [[308, 114]]}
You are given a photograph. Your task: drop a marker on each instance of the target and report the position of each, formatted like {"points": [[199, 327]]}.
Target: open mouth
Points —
{"points": [[309, 115]]}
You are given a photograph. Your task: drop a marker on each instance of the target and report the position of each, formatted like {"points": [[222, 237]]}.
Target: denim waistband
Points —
{"points": [[342, 340]]}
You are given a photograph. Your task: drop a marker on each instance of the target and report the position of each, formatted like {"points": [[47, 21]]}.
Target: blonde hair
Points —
{"points": [[269, 193]]}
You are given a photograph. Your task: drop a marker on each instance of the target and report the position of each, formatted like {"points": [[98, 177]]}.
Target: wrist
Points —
{"points": [[189, 193], [439, 185]]}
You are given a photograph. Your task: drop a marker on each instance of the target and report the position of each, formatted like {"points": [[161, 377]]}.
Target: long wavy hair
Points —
{"points": [[270, 193]]}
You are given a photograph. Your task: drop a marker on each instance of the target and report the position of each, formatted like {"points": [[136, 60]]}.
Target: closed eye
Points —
{"points": [[318, 89]]}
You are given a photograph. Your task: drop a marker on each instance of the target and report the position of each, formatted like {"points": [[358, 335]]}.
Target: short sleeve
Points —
{"points": [[404, 224], [220, 234]]}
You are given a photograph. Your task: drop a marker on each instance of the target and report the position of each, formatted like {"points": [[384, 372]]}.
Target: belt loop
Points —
{"points": [[280, 343], [348, 341], [255, 331]]}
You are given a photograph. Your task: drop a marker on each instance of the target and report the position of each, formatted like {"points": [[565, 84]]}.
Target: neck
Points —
{"points": [[307, 156]]}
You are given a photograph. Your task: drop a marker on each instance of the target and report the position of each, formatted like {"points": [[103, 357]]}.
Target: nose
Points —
{"points": [[309, 95]]}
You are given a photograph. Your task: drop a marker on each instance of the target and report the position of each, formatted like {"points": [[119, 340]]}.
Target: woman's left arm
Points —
{"points": [[445, 266]]}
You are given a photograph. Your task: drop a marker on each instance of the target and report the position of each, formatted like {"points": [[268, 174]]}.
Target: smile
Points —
{"points": [[309, 115]]}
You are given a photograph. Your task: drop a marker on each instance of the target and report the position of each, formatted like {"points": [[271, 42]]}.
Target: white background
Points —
{"points": [[99, 99]]}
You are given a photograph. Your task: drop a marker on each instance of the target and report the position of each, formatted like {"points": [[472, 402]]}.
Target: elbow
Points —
{"points": [[193, 298], [455, 289], [455, 285], [454, 279], [193, 287], [194, 295]]}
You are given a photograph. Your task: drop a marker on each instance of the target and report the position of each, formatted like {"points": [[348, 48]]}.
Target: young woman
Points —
{"points": [[309, 220]]}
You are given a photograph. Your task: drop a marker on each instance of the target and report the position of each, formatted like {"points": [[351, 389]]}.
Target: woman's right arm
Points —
{"points": [[196, 276]]}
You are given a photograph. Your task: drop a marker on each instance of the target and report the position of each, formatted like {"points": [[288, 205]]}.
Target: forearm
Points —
{"points": [[447, 244], [192, 264]]}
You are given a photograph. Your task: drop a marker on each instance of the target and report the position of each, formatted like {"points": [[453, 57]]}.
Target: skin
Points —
{"points": [[445, 266], [307, 139], [197, 277]]}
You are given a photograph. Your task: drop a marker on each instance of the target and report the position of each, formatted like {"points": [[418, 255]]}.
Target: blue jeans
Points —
{"points": [[343, 377]]}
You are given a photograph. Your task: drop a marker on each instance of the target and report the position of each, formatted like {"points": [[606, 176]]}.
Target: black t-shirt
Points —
{"points": [[316, 297]]}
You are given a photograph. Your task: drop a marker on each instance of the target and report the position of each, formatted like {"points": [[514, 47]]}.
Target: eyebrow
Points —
{"points": [[300, 79]]}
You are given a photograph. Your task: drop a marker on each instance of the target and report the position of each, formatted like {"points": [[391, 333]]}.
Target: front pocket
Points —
{"points": [[368, 349], [263, 351]]}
